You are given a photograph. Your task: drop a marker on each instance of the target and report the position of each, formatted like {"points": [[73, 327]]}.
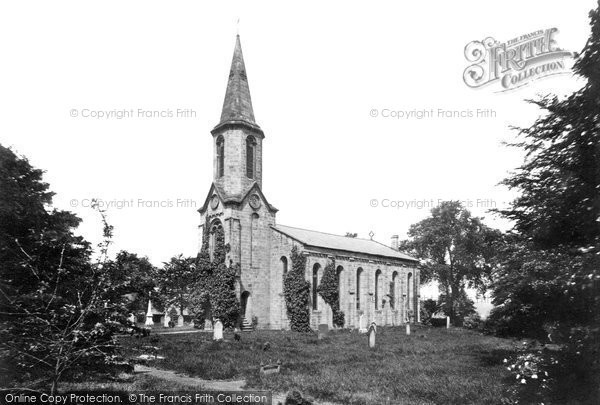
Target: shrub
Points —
{"points": [[214, 293], [428, 308], [329, 289], [297, 292], [339, 318], [473, 321]]}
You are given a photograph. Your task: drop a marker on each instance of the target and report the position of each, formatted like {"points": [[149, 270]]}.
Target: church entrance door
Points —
{"points": [[244, 301]]}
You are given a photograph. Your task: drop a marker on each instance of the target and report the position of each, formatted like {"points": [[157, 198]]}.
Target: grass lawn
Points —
{"points": [[431, 366]]}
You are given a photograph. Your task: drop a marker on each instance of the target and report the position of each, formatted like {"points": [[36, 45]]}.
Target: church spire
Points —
{"points": [[237, 107]]}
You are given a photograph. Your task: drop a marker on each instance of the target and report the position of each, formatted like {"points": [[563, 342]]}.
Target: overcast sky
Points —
{"points": [[316, 71]]}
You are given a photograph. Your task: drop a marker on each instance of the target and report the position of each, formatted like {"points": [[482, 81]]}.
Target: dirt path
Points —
{"points": [[216, 385], [210, 385]]}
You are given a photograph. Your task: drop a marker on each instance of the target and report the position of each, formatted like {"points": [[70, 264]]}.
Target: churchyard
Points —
{"points": [[429, 366]]}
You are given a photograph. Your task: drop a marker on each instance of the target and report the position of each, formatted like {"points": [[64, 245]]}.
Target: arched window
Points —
{"points": [[408, 289], [340, 272], [393, 290], [377, 276], [315, 285], [250, 156], [315, 281], [284, 269], [284, 265], [220, 156], [358, 276], [215, 228]]}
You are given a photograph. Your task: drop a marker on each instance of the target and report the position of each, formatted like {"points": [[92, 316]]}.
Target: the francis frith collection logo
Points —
{"points": [[517, 62]]}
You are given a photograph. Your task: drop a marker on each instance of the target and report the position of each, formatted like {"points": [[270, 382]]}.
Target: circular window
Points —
{"points": [[214, 202], [255, 201]]}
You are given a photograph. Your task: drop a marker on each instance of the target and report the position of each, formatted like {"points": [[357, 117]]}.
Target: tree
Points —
{"points": [[297, 293], [458, 251], [135, 277], [56, 311], [549, 282], [176, 282], [556, 238]]}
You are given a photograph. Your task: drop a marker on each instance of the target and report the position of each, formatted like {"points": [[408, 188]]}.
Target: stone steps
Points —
{"points": [[247, 325]]}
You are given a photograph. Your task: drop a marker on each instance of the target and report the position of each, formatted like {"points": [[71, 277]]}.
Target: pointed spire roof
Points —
{"points": [[237, 107]]}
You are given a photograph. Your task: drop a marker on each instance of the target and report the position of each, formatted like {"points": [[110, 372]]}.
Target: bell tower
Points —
{"points": [[237, 139], [235, 202]]}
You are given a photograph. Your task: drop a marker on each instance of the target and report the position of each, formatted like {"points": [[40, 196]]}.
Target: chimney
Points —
{"points": [[395, 242]]}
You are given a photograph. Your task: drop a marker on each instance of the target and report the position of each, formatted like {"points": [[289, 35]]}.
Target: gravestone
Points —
{"points": [[167, 320], [372, 332], [218, 330], [323, 331], [408, 328], [208, 324], [149, 320], [180, 320], [273, 368], [447, 322], [362, 324]]}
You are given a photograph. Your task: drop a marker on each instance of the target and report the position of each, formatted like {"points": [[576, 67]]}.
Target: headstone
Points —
{"points": [[362, 324], [447, 322], [371, 334], [166, 320], [218, 331], [323, 331], [270, 368], [149, 321], [208, 324], [180, 320], [408, 328]]}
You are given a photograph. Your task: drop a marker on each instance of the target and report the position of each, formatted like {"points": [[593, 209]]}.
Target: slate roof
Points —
{"points": [[237, 106], [337, 242]]}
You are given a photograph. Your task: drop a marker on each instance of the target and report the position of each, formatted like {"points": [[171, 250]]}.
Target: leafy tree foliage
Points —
{"points": [[135, 278], [57, 308], [297, 293], [458, 251], [549, 282], [176, 282], [329, 289], [463, 306], [214, 293]]}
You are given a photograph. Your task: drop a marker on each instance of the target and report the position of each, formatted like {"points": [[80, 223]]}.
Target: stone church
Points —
{"points": [[375, 280]]}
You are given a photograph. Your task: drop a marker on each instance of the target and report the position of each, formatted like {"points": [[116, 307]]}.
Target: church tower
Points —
{"points": [[237, 139], [235, 202]]}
